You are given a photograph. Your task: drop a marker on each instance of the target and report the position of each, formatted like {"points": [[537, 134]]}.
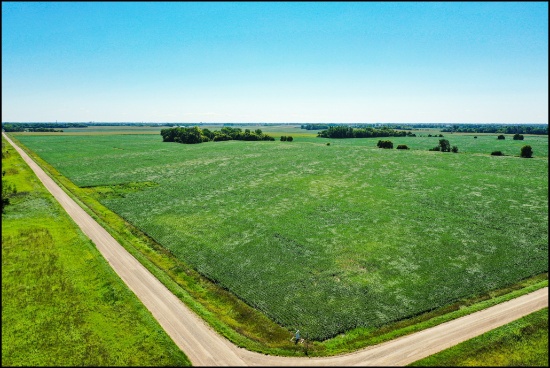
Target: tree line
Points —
{"points": [[39, 127], [540, 129], [193, 135], [349, 132]]}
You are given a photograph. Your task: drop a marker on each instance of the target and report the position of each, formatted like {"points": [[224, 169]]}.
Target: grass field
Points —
{"points": [[62, 304], [327, 238], [522, 343]]}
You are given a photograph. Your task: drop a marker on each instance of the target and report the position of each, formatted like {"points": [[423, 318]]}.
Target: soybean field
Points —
{"points": [[327, 238]]}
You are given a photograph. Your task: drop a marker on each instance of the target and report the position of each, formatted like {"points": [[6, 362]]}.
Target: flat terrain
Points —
{"points": [[322, 238], [62, 304], [204, 347]]}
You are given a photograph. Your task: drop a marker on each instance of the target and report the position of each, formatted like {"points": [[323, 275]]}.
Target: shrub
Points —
{"points": [[518, 137], [501, 136], [436, 148], [526, 152], [475, 136], [328, 143], [283, 138], [454, 149], [384, 144], [289, 139], [402, 146], [497, 153]]}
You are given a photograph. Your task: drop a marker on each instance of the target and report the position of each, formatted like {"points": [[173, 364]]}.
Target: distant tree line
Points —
{"points": [[541, 129], [316, 126], [39, 127], [349, 132], [193, 135]]}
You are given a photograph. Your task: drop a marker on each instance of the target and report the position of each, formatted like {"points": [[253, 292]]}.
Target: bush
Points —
{"points": [[475, 136], [454, 149], [402, 146], [445, 145], [328, 143], [436, 148], [518, 137], [526, 152], [384, 144], [289, 139], [497, 153], [501, 136], [283, 138]]}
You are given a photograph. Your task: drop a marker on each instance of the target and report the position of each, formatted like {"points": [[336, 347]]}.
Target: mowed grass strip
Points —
{"points": [[326, 238], [62, 304], [522, 343]]}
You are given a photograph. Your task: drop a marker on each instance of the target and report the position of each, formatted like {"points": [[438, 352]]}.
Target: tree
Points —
{"points": [[283, 138], [526, 151], [289, 139], [384, 144], [518, 137], [402, 146], [501, 136], [454, 149], [444, 145]]}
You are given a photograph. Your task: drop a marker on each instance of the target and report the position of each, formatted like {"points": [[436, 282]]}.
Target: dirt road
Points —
{"points": [[204, 346]]}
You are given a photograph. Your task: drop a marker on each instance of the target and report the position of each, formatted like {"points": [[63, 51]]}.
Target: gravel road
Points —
{"points": [[205, 347]]}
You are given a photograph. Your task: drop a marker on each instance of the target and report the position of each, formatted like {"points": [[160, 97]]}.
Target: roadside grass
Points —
{"points": [[220, 306], [522, 343], [62, 304]]}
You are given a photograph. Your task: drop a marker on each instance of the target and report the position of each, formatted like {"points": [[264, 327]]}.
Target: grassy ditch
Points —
{"points": [[234, 318], [62, 304], [521, 343]]}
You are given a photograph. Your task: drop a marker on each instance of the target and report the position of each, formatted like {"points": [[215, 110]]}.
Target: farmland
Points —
{"points": [[327, 238], [62, 304]]}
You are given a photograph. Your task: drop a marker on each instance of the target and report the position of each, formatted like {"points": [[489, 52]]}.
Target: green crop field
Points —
{"points": [[326, 238]]}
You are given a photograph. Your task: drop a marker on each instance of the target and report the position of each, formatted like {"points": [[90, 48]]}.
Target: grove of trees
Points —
{"points": [[194, 135], [349, 132]]}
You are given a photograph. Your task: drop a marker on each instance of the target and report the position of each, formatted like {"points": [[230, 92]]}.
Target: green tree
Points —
{"points": [[444, 145], [501, 136], [518, 137], [526, 151]]}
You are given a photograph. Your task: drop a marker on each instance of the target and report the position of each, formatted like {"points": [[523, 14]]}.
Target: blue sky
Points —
{"points": [[357, 62]]}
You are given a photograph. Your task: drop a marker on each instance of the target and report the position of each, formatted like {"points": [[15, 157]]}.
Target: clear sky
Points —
{"points": [[357, 62]]}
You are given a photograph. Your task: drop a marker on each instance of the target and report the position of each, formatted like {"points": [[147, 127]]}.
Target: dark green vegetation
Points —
{"points": [[39, 127], [384, 144], [193, 135], [62, 304], [522, 343], [541, 129], [343, 131], [526, 152], [326, 239], [518, 137]]}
